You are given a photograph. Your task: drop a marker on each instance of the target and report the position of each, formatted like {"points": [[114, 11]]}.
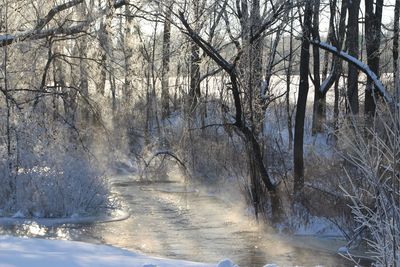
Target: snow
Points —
{"points": [[18, 215], [343, 250], [17, 251], [227, 263], [318, 226]]}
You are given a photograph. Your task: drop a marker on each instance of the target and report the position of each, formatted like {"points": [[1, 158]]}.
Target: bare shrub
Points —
{"points": [[374, 188]]}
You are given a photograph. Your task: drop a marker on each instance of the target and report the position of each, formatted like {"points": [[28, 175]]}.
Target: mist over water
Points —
{"points": [[170, 219]]}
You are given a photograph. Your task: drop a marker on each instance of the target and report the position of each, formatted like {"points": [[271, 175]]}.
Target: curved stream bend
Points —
{"points": [[168, 220]]}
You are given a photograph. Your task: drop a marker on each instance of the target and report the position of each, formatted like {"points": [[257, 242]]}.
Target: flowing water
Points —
{"points": [[168, 220]]}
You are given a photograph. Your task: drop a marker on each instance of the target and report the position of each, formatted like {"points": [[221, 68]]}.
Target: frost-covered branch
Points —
{"points": [[359, 64], [55, 10], [33, 35], [38, 33]]}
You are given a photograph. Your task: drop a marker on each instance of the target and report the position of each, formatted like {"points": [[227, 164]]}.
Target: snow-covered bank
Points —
{"points": [[20, 219], [19, 252]]}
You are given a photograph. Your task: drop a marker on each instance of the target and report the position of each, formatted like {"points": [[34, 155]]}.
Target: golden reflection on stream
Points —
{"points": [[167, 220]]}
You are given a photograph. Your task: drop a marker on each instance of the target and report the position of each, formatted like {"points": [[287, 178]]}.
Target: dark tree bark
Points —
{"points": [[373, 20], [353, 47], [396, 41], [302, 99]]}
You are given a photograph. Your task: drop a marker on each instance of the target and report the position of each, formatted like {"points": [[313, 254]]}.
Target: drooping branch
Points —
{"points": [[358, 64]]}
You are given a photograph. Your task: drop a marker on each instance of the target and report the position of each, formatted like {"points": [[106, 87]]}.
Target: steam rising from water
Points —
{"points": [[170, 219]]}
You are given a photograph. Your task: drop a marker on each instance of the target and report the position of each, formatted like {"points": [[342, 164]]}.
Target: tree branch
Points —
{"points": [[358, 64], [277, 13], [38, 32], [55, 10]]}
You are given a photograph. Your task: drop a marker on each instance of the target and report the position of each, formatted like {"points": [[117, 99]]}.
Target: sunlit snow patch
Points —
{"points": [[18, 252]]}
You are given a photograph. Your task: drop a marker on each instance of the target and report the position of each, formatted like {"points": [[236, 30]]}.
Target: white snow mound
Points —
{"points": [[226, 263], [22, 252]]}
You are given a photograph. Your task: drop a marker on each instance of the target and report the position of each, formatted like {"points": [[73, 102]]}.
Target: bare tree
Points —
{"points": [[258, 170]]}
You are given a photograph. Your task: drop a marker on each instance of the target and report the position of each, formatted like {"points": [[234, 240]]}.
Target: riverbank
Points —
{"points": [[34, 252]]}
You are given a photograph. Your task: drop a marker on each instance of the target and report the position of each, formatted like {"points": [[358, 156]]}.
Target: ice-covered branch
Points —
{"points": [[37, 31], [359, 64]]}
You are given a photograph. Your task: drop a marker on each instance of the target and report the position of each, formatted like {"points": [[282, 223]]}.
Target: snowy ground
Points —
{"points": [[18, 252]]}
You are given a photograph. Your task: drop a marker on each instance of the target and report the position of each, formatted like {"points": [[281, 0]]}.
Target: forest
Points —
{"points": [[286, 109]]}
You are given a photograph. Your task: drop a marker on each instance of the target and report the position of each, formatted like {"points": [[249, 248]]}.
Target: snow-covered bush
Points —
{"points": [[374, 188], [51, 174]]}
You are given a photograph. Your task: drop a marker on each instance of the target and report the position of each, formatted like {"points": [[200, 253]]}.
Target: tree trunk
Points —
{"points": [[353, 47], [338, 42], [255, 71], [195, 61], [319, 97], [373, 22], [245, 132], [396, 41], [83, 67], [288, 83], [165, 63], [104, 39], [128, 49], [302, 100]]}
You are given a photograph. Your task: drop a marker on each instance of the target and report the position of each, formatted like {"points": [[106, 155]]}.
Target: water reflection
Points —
{"points": [[169, 221]]}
